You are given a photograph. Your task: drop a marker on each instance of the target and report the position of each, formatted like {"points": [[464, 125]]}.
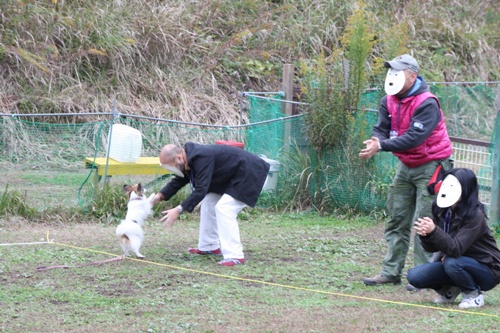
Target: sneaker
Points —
{"points": [[472, 302], [380, 279], [449, 296], [231, 262], [216, 252], [409, 287]]}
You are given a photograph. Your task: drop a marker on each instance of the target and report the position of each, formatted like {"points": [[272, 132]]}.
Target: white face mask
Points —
{"points": [[449, 193], [173, 169], [394, 81]]}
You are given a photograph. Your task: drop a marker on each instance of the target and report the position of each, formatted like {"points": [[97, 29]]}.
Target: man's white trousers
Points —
{"points": [[219, 225]]}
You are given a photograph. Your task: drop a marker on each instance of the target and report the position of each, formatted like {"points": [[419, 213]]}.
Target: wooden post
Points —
{"points": [[288, 87], [287, 83], [494, 213]]}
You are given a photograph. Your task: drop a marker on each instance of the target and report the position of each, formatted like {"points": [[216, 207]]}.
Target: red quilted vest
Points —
{"points": [[436, 147]]}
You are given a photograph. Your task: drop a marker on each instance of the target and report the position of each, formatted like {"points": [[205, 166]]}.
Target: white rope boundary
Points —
{"points": [[30, 243], [12, 244]]}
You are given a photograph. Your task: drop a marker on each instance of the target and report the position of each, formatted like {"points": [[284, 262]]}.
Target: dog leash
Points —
{"points": [[46, 268]]}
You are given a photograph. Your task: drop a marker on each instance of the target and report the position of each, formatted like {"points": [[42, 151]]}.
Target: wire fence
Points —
{"points": [[475, 155], [42, 155]]}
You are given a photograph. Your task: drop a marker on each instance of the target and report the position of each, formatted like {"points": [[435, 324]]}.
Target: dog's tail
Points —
{"points": [[124, 241], [125, 245]]}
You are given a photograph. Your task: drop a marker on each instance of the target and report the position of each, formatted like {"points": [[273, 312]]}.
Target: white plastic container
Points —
{"points": [[125, 143], [272, 177]]}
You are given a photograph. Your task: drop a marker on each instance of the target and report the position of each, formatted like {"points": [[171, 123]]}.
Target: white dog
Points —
{"points": [[129, 231]]}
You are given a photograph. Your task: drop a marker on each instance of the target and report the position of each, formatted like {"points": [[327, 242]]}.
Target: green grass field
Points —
{"points": [[303, 274]]}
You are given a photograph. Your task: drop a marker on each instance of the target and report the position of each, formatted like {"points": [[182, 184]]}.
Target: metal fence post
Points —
{"points": [[495, 184], [110, 134], [288, 71]]}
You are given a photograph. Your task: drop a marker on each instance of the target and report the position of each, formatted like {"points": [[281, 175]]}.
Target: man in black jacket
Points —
{"points": [[225, 179]]}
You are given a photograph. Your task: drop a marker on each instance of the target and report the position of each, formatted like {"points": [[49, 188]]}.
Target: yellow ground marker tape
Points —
{"points": [[277, 284]]}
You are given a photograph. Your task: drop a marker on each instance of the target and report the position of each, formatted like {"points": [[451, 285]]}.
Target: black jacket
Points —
{"points": [[471, 238], [220, 169]]}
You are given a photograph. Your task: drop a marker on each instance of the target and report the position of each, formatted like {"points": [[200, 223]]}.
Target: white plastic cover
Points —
{"points": [[394, 81], [449, 193], [125, 143]]}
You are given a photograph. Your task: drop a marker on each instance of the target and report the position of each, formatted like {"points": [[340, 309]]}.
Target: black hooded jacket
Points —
{"points": [[466, 237]]}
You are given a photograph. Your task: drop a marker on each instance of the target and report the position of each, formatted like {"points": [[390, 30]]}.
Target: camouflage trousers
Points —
{"points": [[408, 200]]}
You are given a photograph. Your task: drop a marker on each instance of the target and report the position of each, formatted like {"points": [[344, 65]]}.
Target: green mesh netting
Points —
{"points": [[45, 160], [337, 177], [345, 180], [266, 137]]}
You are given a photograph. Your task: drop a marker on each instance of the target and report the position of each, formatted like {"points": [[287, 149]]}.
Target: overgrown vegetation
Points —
{"points": [[13, 203], [333, 86], [188, 60]]}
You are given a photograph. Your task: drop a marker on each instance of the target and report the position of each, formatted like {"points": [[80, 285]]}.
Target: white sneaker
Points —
{"points": [[449, 297], [473, 302]]}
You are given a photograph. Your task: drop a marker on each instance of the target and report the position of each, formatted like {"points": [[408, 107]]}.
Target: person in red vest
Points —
{"points": [[411, 125]]}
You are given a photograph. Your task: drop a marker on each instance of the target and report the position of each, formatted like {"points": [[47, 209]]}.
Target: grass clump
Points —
{"points": [[13, 203]]}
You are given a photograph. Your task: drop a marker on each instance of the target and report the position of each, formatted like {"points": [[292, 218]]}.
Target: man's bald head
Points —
{"points": [[168, 153]]}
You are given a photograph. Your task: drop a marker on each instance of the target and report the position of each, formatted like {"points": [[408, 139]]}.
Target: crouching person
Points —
{"points": [[467, 256]]}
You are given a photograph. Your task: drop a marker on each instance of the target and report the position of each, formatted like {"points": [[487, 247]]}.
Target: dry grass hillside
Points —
{"points": [[188, 60]]}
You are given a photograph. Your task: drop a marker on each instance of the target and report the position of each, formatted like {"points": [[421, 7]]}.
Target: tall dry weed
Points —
{"points": [[188, 60]]}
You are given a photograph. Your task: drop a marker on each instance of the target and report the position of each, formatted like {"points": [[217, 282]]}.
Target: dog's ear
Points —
{"points": [[126, 188], [140, 189]]}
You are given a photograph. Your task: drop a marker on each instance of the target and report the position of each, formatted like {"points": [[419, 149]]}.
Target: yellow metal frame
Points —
{"points": [[143, 166]]}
